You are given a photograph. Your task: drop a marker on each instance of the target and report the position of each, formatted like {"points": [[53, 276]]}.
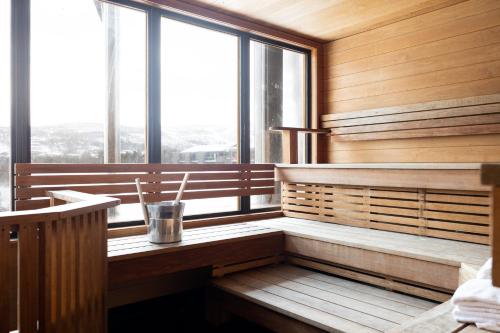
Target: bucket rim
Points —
{"points": [[164, 204]]}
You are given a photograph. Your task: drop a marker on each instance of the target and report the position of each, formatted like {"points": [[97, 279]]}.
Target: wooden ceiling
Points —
{"points": [[324, 20]]}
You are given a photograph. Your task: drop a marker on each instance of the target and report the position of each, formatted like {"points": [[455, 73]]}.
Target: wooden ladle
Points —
{"points": [[141, 199]]}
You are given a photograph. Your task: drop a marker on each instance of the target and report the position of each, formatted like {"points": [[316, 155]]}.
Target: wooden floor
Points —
{"points": [[324, 301], [425, 248]]}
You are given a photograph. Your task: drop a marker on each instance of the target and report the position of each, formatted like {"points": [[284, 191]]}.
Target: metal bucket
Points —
{"points": [[165, 222]]}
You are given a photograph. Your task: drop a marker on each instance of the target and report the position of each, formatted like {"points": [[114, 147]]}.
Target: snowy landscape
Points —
{"points": [[85, 144]]}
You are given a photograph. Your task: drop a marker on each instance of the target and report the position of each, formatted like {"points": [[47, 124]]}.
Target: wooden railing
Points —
{"points": [[54, 262], [160, 182]]}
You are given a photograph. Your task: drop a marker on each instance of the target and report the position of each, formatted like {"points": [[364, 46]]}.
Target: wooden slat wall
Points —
{"points": [[160, 181], [451, 54], [456, 215]]}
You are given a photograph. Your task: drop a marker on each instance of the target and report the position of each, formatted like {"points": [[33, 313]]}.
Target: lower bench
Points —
{"points": [[275, 295]]}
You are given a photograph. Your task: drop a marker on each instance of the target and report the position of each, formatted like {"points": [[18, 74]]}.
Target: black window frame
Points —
{"points": [[20, 88]]}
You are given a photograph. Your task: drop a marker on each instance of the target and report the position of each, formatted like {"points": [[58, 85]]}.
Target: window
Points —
{"points": [[88, 82], [4, 104], [199, 101], [199, 94], [122, 82], [277, 98]]}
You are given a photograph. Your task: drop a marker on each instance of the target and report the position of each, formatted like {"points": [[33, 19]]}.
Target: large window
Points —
{"points": [[122, 82], [199, 101], [4, 104], [277, 98], [88, 82]]}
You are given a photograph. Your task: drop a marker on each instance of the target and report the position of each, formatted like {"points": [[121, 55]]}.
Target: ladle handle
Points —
{"points": [[181, 189], [141, 199]]}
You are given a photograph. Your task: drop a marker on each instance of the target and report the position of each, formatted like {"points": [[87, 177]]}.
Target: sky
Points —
{"points": [[68, 65], [68, 68]]}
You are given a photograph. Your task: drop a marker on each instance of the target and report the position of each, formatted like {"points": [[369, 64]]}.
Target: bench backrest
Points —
{"points": [[160, 181], [464, 116], [447, 203]]}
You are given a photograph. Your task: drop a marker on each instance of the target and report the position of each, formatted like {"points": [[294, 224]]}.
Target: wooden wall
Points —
{"points": [[449, 53]]}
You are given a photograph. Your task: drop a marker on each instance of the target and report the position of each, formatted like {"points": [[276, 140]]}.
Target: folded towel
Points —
{"points": [[478, 301], [485, 270], [475, 317], [481, 321], [477, 306], [477, 290], [490, 326], [477, 309]]}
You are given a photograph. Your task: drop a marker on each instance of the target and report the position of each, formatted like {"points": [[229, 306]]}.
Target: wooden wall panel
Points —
{"points": [[451, 53]]}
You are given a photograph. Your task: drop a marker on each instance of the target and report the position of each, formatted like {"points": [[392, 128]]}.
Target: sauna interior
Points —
{"points": [[249, 166]]}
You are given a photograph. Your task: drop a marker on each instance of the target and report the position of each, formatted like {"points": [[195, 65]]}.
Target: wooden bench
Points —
{"points": [[416, 229], [140, 270], [423, 266], [66, 273], [137, 269]]}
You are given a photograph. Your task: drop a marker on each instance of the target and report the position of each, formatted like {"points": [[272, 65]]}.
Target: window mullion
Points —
{"points": [[154, 87], [244, 118], [20, 85]]}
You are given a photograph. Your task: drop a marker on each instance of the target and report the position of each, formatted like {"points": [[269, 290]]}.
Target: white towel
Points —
{"points": [[477, 309], [478, 301], [490, 326], [477, 306], [477, 291], [475, 317], [485, 270]]}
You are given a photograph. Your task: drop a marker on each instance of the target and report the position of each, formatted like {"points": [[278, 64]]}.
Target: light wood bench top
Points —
{"points": [[138, 246], [323, 301], [443, 251], [399, 166], [133, 260]]}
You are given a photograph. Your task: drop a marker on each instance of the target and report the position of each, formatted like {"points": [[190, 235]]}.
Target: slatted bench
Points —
{"points": [[321, 301], [137, 269], [416, 229], [424, 266], [420, 225], [134, 261]]}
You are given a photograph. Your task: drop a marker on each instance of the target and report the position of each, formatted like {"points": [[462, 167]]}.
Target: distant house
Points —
{"points": [[210, 154]]}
